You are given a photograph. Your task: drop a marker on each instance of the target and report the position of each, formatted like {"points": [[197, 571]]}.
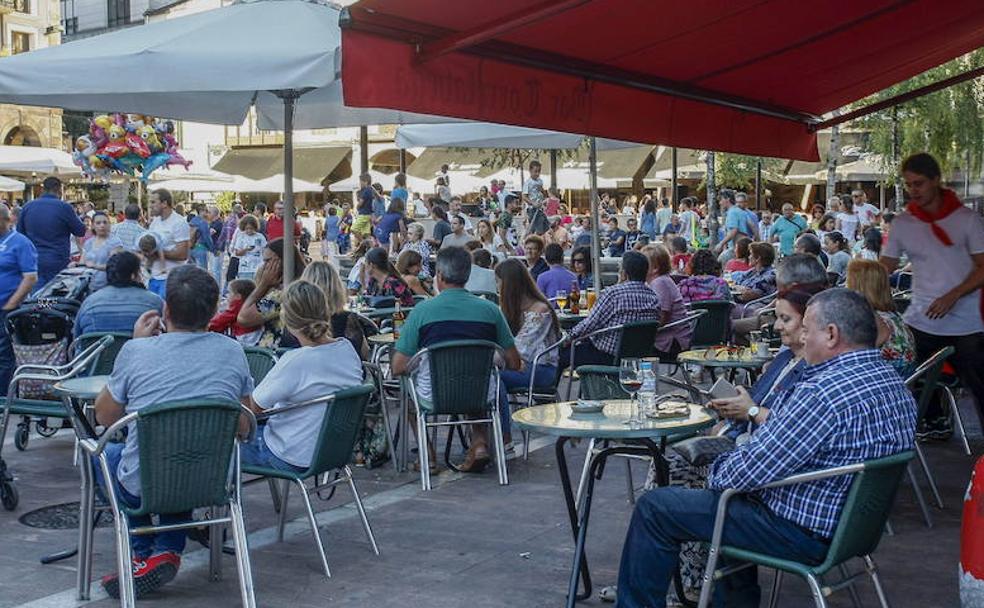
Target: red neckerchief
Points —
{"points": [[950, 204]]}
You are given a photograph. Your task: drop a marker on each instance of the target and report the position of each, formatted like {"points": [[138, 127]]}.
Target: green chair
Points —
{"points": [[103, 365], [858, 532], [14, 405], [600, 382], [340, 426], [636, 340], [260, 361], [923, 383], [461, 374], [537, 394], [188, 460], [713, 328]]}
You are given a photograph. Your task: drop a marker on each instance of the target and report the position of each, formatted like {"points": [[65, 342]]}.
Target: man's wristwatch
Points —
{"points": [[753, 412]]}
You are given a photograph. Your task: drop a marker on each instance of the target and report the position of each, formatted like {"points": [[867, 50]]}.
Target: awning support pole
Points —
{"points": [[595, 219], [290, 103], [673, 179]]}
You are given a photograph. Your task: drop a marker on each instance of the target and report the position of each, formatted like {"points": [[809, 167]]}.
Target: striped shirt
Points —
{"points": [[619, 304], [849, 409], [129, 232]]}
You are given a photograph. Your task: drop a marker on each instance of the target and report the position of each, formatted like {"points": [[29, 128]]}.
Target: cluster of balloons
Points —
{"points": [[130, 144]]}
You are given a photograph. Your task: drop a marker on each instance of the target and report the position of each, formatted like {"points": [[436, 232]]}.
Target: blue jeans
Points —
{"points": [[257, 453], [666, 517], [199, 255], [143, 545], [544, 376], [8, 363], [158, 286]]}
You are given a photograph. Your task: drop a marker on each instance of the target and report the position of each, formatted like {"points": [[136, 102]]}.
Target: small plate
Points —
{"points": [[587, 407]]}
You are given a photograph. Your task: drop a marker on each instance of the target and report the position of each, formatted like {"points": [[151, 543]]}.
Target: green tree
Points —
{"points": [[949, 124], [224, 201]]}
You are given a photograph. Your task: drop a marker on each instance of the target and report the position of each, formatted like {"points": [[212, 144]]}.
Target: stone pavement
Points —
{"points": [[469, 542]]}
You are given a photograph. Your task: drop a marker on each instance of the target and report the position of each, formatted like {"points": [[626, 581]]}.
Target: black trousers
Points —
{"points": [[585, 353], [968, 361]]}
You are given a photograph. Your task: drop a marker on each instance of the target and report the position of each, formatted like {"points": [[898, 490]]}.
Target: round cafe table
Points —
{"points": [[730, 362], [647, 438], [568, 320]]}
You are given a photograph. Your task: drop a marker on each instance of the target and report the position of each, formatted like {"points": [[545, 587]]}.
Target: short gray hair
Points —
{"points": [[416, 228], [740, 196], [849, 312], [454, 265], [800, 268]]}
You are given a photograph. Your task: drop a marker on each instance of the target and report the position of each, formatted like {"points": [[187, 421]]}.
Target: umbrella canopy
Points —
{"points": [[28, 159], [795, 62], [11, 185], [489, 135], [206, 67], [234, 183]]}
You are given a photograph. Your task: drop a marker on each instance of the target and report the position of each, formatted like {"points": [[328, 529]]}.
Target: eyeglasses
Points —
{"points": [[578, 260]]}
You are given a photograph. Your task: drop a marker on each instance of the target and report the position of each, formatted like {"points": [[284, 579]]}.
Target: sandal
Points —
{"points": [[475, 461]]}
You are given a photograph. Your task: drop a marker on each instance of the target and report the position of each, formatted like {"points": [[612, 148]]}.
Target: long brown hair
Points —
{"points": [[518, 287], [277, 247]]}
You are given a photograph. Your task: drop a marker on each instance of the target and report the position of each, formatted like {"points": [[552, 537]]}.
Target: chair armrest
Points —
{"points": [[536, 359], [689, 318], [597, 332], [250, 422], [290, 407], [96, 448]]}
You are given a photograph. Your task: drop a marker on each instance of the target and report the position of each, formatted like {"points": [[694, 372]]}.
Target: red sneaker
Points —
{"points": [[148, 574]]}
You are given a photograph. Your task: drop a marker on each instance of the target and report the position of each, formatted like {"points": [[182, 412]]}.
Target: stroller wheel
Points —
{"points": [[21, 436], [41, 426], [8, 495]]}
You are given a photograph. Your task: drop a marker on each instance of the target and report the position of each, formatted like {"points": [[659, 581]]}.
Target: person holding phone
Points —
{"points": [[248, 246]]}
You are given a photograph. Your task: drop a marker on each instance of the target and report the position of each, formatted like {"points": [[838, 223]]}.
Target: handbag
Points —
{"points": [[702, 451], [233, 271]]}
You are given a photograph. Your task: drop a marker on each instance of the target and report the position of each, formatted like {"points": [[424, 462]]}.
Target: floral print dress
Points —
{"points": [[391, 286]]}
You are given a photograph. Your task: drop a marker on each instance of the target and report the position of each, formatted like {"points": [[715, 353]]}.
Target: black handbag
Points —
{"points": [[703, 451], [233, 269]]}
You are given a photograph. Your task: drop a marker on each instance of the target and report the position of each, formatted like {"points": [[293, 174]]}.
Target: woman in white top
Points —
{"points": [[97, 250], [247, 245], [323, 365], [847, 222], [535, 327]]}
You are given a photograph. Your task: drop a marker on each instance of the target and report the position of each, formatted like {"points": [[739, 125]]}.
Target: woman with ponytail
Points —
{"points": [[385, 279], [321, 366]]}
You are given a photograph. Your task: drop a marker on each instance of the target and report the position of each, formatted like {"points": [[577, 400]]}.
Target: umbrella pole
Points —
{"points": [[290, 101], [595, 220]]}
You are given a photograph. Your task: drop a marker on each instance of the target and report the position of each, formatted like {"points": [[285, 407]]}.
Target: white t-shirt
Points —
{"points": [[866, 213], [170, 232], [302, 374], [848, 225], [251, 260], [533, 189], [936, 269]]}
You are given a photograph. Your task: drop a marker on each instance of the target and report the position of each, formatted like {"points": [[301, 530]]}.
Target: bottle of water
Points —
{"points": [[648, 390]]}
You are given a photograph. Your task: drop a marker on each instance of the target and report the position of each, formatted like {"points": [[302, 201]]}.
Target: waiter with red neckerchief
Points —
{"points": [[944, 241]]}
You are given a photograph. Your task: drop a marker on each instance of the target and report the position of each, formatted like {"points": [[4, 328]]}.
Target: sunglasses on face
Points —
{"points": [[578, 260]]}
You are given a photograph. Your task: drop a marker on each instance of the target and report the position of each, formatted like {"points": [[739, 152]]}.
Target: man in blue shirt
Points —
{"points": [[49, 223], [786, 229], [735, 225], [557, 278], [201, 238], [850, 407], [18, 273]]}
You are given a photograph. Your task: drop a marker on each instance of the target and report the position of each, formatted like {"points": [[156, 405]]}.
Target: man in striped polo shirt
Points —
{"points": [[454, 314]]}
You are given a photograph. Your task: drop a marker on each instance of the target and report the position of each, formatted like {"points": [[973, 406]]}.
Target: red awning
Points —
{"points": [[746, 76]]}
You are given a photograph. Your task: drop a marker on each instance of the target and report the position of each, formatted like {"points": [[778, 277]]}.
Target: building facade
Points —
{"points": [[26, 25]]}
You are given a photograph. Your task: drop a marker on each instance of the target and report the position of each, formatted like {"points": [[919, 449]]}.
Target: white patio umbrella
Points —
{"points": [[29, 159], [280, 55], [11, 185], [491, 135]]}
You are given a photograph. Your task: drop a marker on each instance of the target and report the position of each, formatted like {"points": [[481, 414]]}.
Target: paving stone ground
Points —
{"points": [[469, 542]]}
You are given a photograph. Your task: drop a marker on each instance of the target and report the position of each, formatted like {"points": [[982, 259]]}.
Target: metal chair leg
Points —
{"points": [[215, 546], [919, 496], [423, 456], [314, 527], [955, 412], [282, 518], [389, 428], [628, 480], [86, 527], [929, 475], [584, 472], [855, 598], [500, 448], [362, 510], [817, 592], [124, 561], [873, 572], [242, 555], [274, 494], [776, 589], [526, 445]]}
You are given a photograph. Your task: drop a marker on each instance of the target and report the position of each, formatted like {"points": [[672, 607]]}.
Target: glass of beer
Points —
{"points": [[591, 296], [561, 298]]}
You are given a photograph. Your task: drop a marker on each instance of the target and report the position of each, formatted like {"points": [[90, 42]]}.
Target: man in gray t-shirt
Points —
{"points": [[186, 362]]}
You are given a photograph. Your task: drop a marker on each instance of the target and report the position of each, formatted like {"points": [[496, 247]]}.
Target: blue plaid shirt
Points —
{"points": [[619, 304], [849, 409]]}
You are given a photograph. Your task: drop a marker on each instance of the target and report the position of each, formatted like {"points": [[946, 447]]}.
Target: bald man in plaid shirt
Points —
{"points": [[849, 407]]}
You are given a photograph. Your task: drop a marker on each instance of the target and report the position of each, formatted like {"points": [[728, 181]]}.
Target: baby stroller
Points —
{"points": [[40, 332]]}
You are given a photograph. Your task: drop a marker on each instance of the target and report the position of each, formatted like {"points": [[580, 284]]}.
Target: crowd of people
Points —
{"points": [[823, 284]]}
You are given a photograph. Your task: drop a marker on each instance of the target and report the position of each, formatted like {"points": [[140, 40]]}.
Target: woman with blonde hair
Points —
{"points": [[895, 339], [343, 322], [321, 366]]}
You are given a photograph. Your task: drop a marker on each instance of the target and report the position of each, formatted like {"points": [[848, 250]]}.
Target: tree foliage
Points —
{"points": [[737, 171], [224, 201], [949, 124]]}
